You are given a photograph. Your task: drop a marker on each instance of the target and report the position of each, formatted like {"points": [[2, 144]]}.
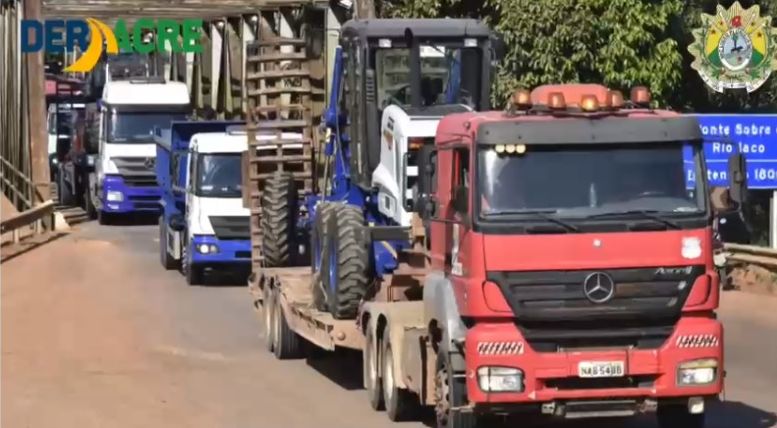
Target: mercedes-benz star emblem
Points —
{"points": [[149, 163], [598, 287]]}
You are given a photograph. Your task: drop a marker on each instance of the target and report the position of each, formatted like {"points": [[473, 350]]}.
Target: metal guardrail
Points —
{"points": [[762, 256], [22, 193]]}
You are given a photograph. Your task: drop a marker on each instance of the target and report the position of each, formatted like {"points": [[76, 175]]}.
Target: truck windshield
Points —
{"points": [[449, 75], [218, 175], [591, 181], [138, 127]]}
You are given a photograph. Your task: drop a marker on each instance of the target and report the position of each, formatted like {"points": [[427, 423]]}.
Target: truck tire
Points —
{"points": [[66, 197], [286, 343], [91, 210], [104, 218], [401, 404], [279, 220], [268, 307], [192, 273], [168, 262], [677, 416], [317, 245], [371, 364], [346, 261], [450, 392]]}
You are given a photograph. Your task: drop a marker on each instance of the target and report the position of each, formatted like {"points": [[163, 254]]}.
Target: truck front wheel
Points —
{"points": [[449, 393], [193, 273], [64, 191], [167, 262], [346, 261], [279, 220], [677, 416]]}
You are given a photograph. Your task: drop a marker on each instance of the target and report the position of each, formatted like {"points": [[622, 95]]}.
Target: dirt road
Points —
{"points": [[96, 334]]}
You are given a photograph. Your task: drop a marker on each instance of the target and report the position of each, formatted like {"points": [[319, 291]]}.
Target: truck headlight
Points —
{"points": [[114, 196], [500, 379], [697, 372], [208, 248]]}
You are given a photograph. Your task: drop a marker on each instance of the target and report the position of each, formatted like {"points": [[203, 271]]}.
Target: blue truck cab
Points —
{"points": [[203, 224], [124, 181]]}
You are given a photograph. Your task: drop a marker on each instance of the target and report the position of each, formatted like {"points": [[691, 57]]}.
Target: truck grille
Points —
{"points": [[557, 310], [136, 171], [231, 227], [144, 202]]}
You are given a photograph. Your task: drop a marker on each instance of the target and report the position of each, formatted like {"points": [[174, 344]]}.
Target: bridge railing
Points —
{"points": [[25, 198]]}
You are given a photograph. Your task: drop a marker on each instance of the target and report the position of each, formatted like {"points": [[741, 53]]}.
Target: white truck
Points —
{"points": [[124, 180]]}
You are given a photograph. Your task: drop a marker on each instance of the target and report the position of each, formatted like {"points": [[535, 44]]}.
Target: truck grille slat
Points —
{"points": [[231, 227], [136, 171]]}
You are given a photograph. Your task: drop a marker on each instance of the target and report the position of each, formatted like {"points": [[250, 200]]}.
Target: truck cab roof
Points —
{"points": [[145, 92]]}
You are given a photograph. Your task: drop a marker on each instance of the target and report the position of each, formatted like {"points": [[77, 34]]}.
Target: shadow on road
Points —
{"points": [[133, 219], [740, 415], [343, 367], [225, 279], [11, 250]]}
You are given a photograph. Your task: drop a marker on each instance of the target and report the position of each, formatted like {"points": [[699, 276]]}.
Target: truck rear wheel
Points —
{"points": [[64, 191], [346, 260], [401, 404], [286, 343], [449, 393], [279, 219], [317, 244], [677, 416], [164, 256], [371, 370]]}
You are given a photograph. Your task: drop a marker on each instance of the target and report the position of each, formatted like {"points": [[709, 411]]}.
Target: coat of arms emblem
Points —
{"points": [[734, 49]]}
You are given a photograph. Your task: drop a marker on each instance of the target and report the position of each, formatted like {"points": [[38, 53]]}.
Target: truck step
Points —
{"points": [[277, 74], [281, 90], [278, 41], [291, 56]]}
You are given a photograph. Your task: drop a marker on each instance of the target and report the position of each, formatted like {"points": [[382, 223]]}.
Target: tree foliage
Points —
{"points": [[620, 43]]}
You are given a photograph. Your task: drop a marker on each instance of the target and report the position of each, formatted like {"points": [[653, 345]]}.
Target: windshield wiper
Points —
{"points": [[544, 214], [645, 213]]}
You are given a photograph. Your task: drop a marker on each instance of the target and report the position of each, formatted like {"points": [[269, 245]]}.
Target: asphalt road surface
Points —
{"points": [[96, 334]]}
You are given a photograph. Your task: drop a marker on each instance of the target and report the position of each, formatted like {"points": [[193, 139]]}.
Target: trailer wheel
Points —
{"points": [[677, 416], [317, 246], [371, 370], [164, 256], [450, 392], [286, 343], [346, 261], [401, 404], [279, 219], [268, 307]]}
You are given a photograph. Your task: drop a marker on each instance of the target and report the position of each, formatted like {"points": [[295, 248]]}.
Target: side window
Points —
{"points": [[192, 171], [460, 168]]}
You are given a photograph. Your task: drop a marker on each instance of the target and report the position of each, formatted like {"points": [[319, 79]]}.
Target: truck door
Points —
{"points": [[191, 171]]}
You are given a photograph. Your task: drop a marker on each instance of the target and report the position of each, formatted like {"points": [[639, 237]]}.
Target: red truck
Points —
{"points": [[568, 270]]}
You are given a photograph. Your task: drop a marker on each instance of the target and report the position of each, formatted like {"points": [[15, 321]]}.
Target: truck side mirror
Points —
{"points": [[427, 167], [737, 173], [177, 222], [499, 46]]}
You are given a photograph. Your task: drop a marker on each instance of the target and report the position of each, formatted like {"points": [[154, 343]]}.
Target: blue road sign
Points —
{"points": [[753, 135]]}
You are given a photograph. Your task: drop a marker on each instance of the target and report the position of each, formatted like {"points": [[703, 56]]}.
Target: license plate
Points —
{"points": [[601, 369]]}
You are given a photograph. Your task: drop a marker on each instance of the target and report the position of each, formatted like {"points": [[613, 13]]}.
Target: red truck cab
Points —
{"points": [[578, 247]]}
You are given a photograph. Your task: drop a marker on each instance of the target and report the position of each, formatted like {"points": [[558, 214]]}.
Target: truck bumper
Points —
{"points": [[229, 251], [554, 376], [133, 199]]}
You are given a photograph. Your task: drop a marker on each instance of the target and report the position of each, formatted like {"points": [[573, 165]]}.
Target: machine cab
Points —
{"points": [[426, 68]]}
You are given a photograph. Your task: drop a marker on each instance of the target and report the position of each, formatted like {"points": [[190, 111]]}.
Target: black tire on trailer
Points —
{"points": [[318, 245], [677, 416], [371, 363], [449, 392], [287, 344], [64, 191], [279, 219], [401, 404], [346, 270], [167, 261], [268, 307]]}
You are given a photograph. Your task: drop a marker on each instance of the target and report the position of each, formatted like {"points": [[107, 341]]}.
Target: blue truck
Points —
{"points": [[203, 224]]}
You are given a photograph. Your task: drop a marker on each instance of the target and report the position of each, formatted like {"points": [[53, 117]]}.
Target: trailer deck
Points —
{"points": [[292, 289]]}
